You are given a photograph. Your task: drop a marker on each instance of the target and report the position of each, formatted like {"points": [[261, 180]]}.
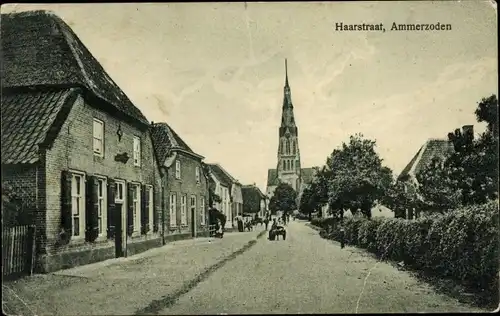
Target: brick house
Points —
{"points": [[223, 183], [74, 147], [184, 185]]}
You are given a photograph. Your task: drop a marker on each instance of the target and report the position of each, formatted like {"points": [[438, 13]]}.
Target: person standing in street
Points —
{"points": [[266, 222]]}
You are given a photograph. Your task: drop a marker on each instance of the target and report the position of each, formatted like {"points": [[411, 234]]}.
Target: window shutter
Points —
{"points": [[156, 204], [144, 209], [92, 209], [111, 208], [66, 207], [130, 209]]}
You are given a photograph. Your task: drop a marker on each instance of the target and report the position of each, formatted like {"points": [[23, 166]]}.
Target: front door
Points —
{"points": [[120, 212]]}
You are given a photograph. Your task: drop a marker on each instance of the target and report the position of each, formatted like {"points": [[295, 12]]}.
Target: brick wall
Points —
{"points": [[73, 150], [185, 185]]}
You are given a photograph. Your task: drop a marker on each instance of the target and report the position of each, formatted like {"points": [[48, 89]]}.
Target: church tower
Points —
{"points": [[288, 169]]}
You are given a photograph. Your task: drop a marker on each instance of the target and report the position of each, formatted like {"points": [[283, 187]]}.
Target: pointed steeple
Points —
{"points": [[287, 117], [286, 74]]}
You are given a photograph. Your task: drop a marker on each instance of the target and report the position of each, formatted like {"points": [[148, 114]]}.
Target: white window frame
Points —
{"points": [[151, 207], [177, 169], [197, 174], [98, 143], [120, 183], [137, 151], [184, 210], [173, 209], [136, 200], [102, 198], [78, 199], [202, 209]]}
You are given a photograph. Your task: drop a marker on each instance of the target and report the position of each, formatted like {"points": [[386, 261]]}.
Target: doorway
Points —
{"points": [[120, 211]]}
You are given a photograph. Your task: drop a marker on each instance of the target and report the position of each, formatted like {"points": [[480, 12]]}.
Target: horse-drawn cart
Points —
{"points": [[276, 232]]}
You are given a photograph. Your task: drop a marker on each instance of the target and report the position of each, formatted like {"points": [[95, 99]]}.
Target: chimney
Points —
{"points": [[468, 130], [152, 122]]}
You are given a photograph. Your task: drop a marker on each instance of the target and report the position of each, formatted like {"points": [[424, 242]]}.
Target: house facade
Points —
{"points": [[235, 194], [74, 147], [223, 185], [184, 185]]}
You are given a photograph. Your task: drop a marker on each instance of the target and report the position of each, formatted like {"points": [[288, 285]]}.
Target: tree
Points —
{"points": [[357, 179], [284, 199], [399, 197], [315, 195], [212, 196], [13, 210], [470, 174], [439, 191], [307, 203]]}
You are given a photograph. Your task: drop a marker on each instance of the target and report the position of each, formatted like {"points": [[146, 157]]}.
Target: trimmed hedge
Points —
{"points": [[463, 244]]}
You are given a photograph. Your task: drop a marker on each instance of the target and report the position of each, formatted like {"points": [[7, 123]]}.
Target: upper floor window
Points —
{"points": [[98, 134], [293, 147], [197, 174], [177, 169], [137, 151]]}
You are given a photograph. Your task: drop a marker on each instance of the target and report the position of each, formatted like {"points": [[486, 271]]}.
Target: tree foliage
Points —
{"points": [[284, 199], [12, 207], [399, 197], [357, 177], [212, 196], [315, 195], [470, 174]]}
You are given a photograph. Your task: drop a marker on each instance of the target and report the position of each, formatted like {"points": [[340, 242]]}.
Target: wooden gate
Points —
{"points": [[18, 251]]}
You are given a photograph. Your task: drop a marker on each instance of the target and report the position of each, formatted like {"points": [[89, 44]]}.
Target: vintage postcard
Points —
{"points": [[249, 158]]}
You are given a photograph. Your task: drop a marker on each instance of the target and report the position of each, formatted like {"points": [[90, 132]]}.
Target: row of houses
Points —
{"points": [[90, 171]]}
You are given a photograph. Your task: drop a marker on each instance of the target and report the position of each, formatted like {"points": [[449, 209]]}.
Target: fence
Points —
{"points": [[18, 249]]}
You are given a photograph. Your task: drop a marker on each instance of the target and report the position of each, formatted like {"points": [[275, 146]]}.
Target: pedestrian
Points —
{"points": [[342, 237], [266, 222]]}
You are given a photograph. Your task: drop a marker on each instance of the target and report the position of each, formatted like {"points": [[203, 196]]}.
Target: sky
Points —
{"points": [[215, 72]]}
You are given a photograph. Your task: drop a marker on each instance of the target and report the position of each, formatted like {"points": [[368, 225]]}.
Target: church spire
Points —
{"points": [[286, 74], [287, 117]]}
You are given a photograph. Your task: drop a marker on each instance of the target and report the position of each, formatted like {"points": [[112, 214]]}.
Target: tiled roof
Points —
{"points": [[40, 49], [306, 174], [28, 120], [272, 177], [251, 198], [432, 148], [223, 178], [166, 139]]}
